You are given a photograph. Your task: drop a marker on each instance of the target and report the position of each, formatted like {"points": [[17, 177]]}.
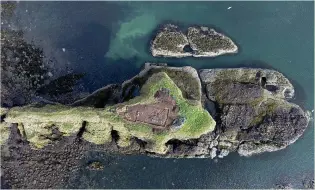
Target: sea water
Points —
{"points": [[109, 41]]}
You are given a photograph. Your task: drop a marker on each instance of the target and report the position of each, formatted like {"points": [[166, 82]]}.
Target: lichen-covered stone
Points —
{"points": [[206, 42], [254, 115], [251, 148], [274, 82], [170, 42], [223, 153], [199, 42], [4, 132], [3, 111], [237, 116]]}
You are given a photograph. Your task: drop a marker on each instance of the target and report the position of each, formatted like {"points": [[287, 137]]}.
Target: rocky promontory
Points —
{"points": [[163, 112], [198, 42], [252, 109]]}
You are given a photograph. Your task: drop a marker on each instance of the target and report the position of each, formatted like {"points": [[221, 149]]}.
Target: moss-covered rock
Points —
{"points": [[186, 79], [253, 112], [167, 119], [4, 132], [39, 122], [198, 42], [170, 42], [274, 82], [206, 42]]}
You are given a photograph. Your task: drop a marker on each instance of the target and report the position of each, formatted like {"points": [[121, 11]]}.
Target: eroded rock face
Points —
{"points": [[198, 42]]}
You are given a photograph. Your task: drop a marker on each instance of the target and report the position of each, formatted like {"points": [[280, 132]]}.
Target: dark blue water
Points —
{"points": [[109, 41]]}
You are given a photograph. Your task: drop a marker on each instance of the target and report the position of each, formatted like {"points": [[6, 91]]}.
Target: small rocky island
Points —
{"points": [[163, 111], [199, 42]]}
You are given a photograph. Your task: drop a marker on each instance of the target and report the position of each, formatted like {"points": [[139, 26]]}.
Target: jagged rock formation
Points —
{"points": [[249, 106], [199, 42]]}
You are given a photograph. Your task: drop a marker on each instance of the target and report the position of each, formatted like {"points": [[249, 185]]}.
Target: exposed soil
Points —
{"points": [[158, 115]]}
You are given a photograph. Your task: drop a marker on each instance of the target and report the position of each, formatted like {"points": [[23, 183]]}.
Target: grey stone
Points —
{"points": [[178, 123], [223, 153], [213, 153], [237, 116]]}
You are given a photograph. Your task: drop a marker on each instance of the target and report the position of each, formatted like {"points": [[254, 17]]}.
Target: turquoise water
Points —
{"points": [[109, 41]]}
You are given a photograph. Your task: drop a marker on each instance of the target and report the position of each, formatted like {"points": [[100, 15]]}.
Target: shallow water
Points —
{"points": [[109, 41]]}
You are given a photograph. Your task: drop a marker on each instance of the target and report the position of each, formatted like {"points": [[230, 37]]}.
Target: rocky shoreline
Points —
{"points": [[198, 42], [249, 106]]}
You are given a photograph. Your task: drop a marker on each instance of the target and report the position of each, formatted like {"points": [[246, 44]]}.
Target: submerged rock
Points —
{"points": [[198, 42], [95, 166], [308, 183], [284, 186]]}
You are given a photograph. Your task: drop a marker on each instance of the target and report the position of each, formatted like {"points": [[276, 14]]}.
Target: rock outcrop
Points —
{"points": [[160, 113], [199, 42], [170, 42], [206, 42], [249, 106], [253, 115]]}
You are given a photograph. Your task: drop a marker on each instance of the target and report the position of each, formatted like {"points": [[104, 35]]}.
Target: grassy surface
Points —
{"points": [[38, 122], [198, 121], [98, 133]]}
